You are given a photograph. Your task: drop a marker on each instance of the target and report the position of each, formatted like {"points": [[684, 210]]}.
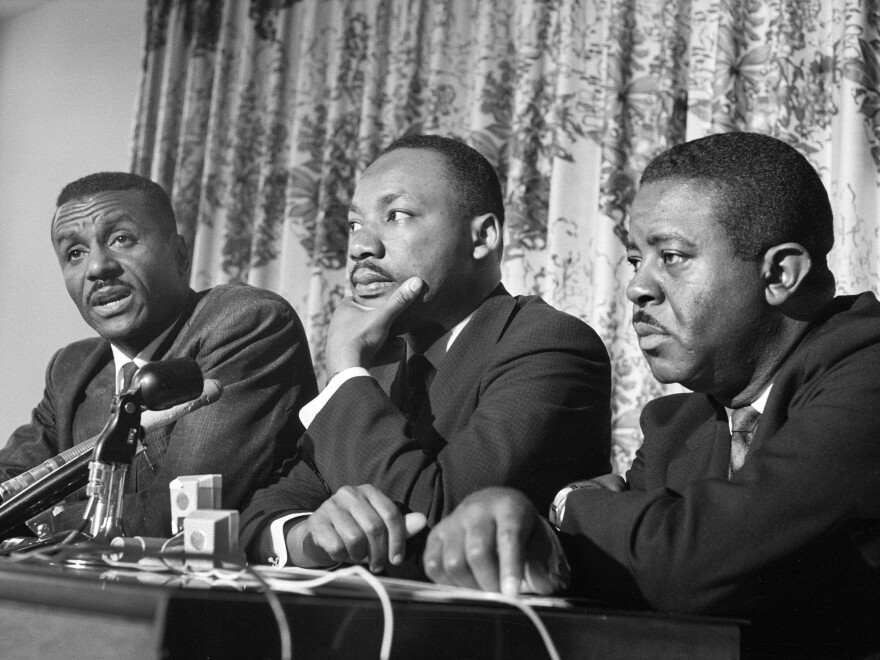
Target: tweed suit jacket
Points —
{"points": [[522, 399], [791, 541], [250, 340]]}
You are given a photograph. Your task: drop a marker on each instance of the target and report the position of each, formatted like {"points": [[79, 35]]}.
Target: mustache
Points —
{"points": [[643, 317], [370, 266], [103, 284]]}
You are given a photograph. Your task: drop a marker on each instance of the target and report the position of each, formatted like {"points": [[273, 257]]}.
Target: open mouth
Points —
{"points": [[110, 301]]}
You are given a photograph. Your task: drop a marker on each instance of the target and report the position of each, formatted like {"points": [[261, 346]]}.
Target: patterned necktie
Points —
{"points": [[416, 406], [742, 424], [126, 373]]}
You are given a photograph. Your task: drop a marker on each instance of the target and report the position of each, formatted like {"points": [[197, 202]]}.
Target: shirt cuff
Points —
{"points": [[279, 538], [557, 507], [309, 411]]}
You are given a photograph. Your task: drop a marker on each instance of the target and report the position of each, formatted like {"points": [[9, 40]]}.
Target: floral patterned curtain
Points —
{"points": [[259, 116]]}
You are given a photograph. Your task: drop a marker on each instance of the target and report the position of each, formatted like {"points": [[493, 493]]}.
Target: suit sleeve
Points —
{"points": [[717, 546], [255, 346], [33, 443], [541, 419], [297, 488]]}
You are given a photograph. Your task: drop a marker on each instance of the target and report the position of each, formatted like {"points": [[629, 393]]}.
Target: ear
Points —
{"points": [[784, 269], [181, 255], [486, 235]]}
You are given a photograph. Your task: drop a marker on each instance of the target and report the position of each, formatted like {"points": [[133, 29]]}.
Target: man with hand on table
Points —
{"points": [[496, 390], [126, 269], [758, 494]]}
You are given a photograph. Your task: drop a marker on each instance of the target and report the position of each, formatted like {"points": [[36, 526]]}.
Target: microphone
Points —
{"points": [[167, 383], [150, 421], [166, 386], [157, 385]]}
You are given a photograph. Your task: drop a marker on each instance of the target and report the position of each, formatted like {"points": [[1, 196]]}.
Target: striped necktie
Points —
{"points": [[742, 427], [126, 373]]}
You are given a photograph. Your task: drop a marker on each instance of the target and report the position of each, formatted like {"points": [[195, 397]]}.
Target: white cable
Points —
{"points": [[529, 611], [306, 587], [514, 601], [278, 612], [387, 611]]}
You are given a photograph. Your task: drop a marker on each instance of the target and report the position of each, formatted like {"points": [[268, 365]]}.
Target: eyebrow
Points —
{"points": [[64, 236], [670, 237], [384, 200], [103, 225]]}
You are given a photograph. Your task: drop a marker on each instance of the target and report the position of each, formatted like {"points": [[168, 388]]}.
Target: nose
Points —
{"points": [[102, 264], [643, 288], [365, 243]]}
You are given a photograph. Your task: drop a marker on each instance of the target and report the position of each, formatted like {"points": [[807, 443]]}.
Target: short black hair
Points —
{"points": [[471, 174], [768, 192], [155, 197]]}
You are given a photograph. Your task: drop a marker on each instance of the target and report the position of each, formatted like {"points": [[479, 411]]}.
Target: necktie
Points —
{"points": [[126, 373], [742, 424], [416, 405]]}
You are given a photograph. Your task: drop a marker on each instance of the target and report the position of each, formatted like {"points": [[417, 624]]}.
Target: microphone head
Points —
{"points": [[166, 383]]}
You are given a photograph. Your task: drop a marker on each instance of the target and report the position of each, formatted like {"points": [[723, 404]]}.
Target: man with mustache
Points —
{"points": [[126, 269], [509, 390], [758, 494]]}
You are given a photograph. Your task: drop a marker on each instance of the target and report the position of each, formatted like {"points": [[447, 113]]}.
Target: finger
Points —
{"points": [[339, 535], [414, 523], [444, 558], [456, 569], [383, 524], [373, 534], [482, 557], [405, 295], [511, 541], [432, 557]]}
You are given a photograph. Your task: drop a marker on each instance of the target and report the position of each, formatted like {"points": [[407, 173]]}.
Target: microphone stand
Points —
{"points": [[158, 386], [108, 469]]}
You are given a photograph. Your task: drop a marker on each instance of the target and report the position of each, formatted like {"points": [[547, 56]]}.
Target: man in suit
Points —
{"points": [[517, 393], [126, 269], [776, 518]]}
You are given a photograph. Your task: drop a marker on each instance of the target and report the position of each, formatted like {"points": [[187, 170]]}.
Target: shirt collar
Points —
{"points": [[120, 358], [437, 351], [758, 404]]}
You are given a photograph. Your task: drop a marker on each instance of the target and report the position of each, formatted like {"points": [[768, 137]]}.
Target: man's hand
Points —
{"points": [[357, 332], [357, 525], [487, 543]]}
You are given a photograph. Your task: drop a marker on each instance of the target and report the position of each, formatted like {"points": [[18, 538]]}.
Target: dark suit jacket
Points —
{"points": [[788, 541], [521, 399], [250, 340]]}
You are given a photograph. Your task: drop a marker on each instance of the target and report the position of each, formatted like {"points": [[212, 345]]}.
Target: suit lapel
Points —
{"points": [[465, 361], [706, 451], [94, 387], [169, 341]]}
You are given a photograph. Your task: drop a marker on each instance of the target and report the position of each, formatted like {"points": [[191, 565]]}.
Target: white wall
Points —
{"points": [[68, 80]]}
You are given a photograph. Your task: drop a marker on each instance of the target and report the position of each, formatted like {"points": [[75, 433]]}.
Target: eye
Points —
{"points": [[121, 240], [353, 226], [634, 261], [398, 215], [672, 258], [74, 254]]}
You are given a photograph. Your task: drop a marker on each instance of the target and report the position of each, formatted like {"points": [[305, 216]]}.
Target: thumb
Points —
{"points": [[403, 297]]}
